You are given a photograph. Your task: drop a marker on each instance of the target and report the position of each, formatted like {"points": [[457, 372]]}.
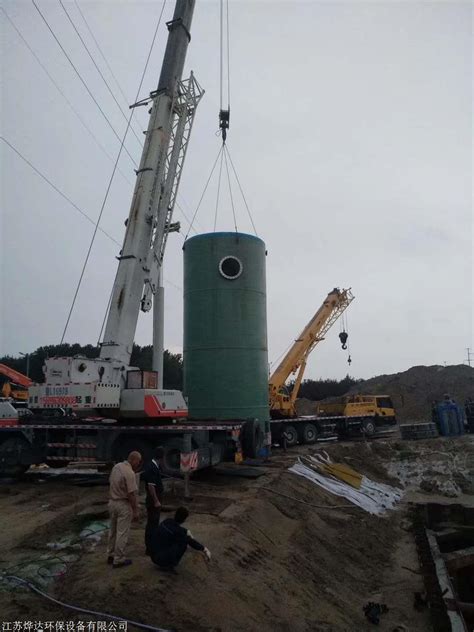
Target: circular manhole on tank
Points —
{"points": [[230, 267]]}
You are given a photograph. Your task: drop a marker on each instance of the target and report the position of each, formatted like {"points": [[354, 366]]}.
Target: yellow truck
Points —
{"points": [[358, 406]]}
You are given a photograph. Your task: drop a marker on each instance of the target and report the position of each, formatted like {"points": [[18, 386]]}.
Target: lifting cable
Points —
{"points": [[223, 154], [122, 146], [230, 189], [224, 117], [241, 190], [219, 186], [221, 148]]}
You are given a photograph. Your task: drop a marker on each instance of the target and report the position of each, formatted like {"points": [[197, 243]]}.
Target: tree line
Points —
{"points": [[172, 368], [317, 390], [141, 358]]}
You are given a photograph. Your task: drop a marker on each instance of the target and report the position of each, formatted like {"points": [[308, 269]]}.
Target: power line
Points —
{"points": [[103, 56], [51, 78], [81, 79], [68, 199], [53, 186], [140, 142]]}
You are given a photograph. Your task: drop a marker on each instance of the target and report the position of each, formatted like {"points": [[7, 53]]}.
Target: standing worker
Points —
{"points": [[123, 507], [171, 541], [154, 497]]}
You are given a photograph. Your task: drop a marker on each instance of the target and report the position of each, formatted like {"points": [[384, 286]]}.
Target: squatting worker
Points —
{"points": [[154, 497], [172, 540], [123, 507]]}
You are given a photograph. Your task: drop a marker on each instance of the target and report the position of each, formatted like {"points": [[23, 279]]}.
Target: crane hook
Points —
{"points": [[224, 121], [349, 360], [343, 336]]}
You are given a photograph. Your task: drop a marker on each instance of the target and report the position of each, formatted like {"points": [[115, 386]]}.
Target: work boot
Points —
{"points": [[120, 564]]}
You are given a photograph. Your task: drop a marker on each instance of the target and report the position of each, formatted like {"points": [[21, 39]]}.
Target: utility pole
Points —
{"points": [[27, 356], [469, 355]]}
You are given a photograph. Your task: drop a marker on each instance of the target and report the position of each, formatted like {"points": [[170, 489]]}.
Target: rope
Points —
{"points": [[230, 189], [63, 604], [205, 189], [242, 192], [122, 146], [219, 186]]}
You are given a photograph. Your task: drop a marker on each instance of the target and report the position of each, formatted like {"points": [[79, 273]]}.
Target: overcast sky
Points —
{"points": [[351, 131]]}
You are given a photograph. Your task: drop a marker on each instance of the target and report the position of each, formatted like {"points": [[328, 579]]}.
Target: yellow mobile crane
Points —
{"points": [[281, 403], [343, 417]]}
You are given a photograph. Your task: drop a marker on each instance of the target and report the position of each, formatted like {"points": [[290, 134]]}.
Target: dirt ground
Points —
{"points": [[277, 565]]}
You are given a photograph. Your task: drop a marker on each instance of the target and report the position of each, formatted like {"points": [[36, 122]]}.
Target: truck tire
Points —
{"points": [[368, 427], [252, 438], [308, 434], [171, 463], [57, 465], [291, 435], [11, 462]]}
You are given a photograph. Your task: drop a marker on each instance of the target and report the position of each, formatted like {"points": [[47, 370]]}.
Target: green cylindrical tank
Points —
{"points": [[225, 327]]}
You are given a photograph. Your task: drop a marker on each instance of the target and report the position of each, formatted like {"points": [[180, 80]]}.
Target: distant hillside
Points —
{"points": [[414, 390]]}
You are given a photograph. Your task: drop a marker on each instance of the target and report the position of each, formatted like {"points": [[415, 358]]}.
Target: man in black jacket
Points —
{"points": [[154, 497], [171, 541]]}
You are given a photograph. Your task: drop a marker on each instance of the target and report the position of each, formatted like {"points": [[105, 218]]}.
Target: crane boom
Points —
{"points": [[109, 384], [149, 219], [295, 359], [15, 376]]}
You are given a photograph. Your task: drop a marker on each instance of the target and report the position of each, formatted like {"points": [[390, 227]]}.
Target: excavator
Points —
{"points": [[14, 385], [282, 404]]}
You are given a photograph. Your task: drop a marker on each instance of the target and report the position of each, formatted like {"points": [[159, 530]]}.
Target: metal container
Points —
{"points": [[225, 327]]}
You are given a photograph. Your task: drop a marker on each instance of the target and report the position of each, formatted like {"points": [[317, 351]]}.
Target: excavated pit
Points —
{"points": [[445, 541]]}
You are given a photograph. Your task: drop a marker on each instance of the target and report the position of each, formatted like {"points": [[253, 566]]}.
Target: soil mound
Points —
{"points": [[414, 391]]}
